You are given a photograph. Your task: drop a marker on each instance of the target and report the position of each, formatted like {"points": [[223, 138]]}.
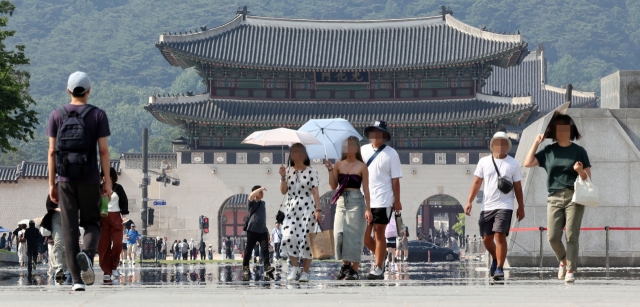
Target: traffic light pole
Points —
{"points": [[145, 178]]}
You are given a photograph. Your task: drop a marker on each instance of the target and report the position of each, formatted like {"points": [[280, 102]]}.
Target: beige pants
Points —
{"points": [[562, 213]]}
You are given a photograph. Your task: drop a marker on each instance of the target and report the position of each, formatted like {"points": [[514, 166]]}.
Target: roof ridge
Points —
{"points": [[471, 30]]}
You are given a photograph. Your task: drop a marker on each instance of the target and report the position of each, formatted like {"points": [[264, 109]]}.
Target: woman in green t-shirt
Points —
{"points": [[564, 161]]}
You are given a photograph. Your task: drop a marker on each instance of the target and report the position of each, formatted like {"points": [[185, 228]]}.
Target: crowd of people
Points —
{"points": [[367, 184]]}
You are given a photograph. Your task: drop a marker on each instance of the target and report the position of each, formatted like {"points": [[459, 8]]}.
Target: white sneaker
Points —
{"points": [[106, 279], [79, 287], [115, 273], [570, 277], [562, 271], [304, 277], [293, 274], [376, 273]]}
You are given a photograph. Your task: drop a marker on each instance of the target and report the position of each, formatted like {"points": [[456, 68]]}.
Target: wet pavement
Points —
{"points": [[466, 272], [448, 284]]}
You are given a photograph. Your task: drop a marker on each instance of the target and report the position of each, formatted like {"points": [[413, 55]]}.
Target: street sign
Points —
{"points": [[159, 203]]}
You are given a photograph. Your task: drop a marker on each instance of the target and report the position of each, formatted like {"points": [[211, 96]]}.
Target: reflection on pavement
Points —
{"points": [[467, 272]]}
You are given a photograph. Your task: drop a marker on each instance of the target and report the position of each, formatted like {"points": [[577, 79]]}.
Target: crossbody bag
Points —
{"points": [[504, 185]]}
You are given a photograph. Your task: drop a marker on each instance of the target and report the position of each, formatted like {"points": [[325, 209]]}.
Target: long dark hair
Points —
{"points": [[357, 142], [307, 161], [561, 119]]}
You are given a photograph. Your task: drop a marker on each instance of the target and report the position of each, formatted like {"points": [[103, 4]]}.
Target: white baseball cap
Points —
{"points": [[79, 83]]}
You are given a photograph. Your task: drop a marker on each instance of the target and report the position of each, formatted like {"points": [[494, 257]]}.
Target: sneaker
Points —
{"points": [[86, 268], [376, 273], [492, 270], [59, 276], [268, 274], [293, 274], [562, 271], [498, 274], [304, 277], [569, 277], [269, 269], [106, 279], [246, 273], [115, 273], [79, 287], [352, 275], [343, 272]]}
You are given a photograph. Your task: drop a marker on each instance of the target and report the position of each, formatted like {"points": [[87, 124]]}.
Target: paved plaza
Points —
{"points": [[416, 284]]}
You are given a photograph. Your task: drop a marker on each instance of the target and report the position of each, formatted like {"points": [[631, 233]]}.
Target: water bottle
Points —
{"points": [[104, 207]]}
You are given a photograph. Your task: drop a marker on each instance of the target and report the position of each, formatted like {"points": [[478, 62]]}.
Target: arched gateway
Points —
{"points": [[437, 215], [231, 217]]}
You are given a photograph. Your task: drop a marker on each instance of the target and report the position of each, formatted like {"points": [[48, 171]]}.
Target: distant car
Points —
{"points": [[419, 252]]}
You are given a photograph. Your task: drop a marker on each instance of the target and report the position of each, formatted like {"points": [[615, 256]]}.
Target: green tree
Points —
{"points": [[459, 226], [17, 120]]}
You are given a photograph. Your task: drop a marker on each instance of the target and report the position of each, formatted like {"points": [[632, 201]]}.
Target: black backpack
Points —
{"points": [[73, 144]]}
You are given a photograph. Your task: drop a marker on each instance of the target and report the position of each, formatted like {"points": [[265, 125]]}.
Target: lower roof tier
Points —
{"points": [[179, 110]]}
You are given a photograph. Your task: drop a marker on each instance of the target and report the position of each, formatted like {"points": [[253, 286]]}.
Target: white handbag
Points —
{"points": [[585, 193]]}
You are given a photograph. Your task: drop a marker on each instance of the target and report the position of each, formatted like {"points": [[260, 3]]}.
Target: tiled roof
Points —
{"points": [[28, 169], [237, 199], [529, 79], [279, 43], [8, 174], [357, 112], [138, 155]]}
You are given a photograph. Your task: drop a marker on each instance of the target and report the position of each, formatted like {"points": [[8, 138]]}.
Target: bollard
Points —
{"points": [[606, 231], [428, 256], [541, 238]]}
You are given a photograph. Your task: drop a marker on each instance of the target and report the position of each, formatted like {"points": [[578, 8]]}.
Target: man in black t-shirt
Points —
{"points": [[257, 233]]}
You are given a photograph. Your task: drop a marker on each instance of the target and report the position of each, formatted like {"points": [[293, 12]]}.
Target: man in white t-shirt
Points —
{"points": [[276, 239], [385, 172], [501, 188]]}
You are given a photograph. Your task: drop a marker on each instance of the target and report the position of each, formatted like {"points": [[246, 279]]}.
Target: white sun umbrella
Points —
{"points": [[280, 136], [331, 132]]}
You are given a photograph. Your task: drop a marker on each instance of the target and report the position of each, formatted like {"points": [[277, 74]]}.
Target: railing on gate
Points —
{"points": [[606, 229]]}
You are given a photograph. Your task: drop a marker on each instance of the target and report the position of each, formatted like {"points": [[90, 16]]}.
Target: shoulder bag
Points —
{"points": [[375, 154], [505, 186]]}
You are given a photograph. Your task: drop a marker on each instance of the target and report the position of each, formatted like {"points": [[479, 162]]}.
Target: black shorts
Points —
{"points": [[391, 242], [495, 221], [124, 246], [381, 215]]}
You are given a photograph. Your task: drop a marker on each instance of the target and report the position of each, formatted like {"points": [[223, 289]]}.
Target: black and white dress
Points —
{"points": [[299, 220]]}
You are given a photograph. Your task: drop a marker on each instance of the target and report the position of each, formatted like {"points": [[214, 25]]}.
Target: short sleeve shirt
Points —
{"points": [[258, 221], [133, 236], [97, 126], [558, 161], [385, 167], [494, 199]]}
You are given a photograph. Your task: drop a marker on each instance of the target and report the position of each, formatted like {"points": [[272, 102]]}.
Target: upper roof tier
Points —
{"points": [[174, 110], [301, 44]]}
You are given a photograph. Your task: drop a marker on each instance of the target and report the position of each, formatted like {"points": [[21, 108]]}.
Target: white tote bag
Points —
{"points": [[585, 193]]}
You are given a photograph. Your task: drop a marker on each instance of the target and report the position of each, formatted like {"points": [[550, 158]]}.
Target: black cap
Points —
{"points": [[378, 125]]}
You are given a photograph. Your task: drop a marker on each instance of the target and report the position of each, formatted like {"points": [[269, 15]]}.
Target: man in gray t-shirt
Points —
{"points": [[257, 232]]}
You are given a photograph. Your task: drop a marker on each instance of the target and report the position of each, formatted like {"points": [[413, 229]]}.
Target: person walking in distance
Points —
{"points": [[501, 176], [75, 131], [32, 236], [184, 248], [353, 211], [564, 161], [302, 210], [133, 236], [210, 252], [257, 234], [228, 248], [385, 172], [109, 247], [57, 255], [123, 254], [21, 243], [165, 244], [276, 240], [203, 250], [192, 250]]}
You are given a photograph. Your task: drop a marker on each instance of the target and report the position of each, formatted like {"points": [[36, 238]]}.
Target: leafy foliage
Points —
{"points": [[459, 226], [113, 41], [17, 121]]}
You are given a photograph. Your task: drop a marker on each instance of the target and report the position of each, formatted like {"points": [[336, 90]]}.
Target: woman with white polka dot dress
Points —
{"points": [[302, 210]]}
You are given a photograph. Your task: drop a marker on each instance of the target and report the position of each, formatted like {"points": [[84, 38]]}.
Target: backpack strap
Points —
{"points": [[87, 108], [494, 165], [63, 112]]}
